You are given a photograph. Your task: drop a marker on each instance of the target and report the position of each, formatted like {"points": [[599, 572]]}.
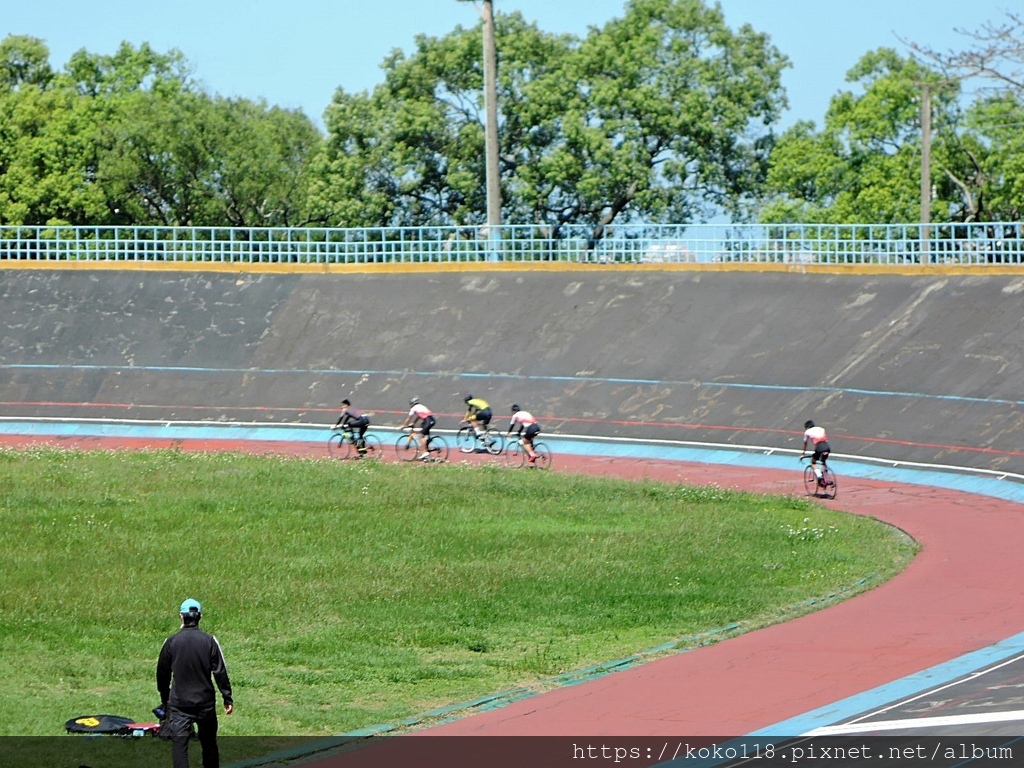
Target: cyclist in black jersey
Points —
{"points": [[355, 420]]}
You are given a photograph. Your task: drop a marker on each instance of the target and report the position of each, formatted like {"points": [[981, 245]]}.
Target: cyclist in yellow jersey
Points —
{"points": [[478, 413]]}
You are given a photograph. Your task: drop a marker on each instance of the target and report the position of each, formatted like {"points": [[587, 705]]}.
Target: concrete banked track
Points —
{"points": [[919, 367]]}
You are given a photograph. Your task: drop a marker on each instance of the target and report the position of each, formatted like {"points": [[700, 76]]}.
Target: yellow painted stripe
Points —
{"points": [[513, 266]]}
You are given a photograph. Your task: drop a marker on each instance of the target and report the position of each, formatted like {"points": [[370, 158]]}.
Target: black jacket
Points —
{"points": [[191, 657]]}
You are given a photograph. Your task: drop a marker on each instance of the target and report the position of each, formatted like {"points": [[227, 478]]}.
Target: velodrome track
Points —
{"points": [[928, 372], [924, 366]]}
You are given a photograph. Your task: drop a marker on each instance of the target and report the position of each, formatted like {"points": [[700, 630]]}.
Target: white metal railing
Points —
{"points": [[893, 244]]}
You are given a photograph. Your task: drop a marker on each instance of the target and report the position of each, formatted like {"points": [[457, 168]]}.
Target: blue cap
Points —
{"points": [[191, 605]]}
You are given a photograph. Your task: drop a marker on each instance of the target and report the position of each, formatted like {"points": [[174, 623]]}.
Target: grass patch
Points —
{"points": [[349, 594]]}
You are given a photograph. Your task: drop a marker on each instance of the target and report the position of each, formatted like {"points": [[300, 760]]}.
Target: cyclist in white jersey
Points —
{"points": [[528, 428], [817, 438], [420, 415]]}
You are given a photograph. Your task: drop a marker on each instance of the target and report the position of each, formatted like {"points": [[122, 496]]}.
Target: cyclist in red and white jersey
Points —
{"points": [[528, 428], [422, 417], [817, 438]]}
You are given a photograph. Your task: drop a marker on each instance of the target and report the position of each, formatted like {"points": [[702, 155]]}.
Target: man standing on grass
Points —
{"points": [[190, 661]]}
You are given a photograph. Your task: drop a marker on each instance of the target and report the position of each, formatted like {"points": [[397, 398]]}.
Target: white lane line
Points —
{"points": [[918, 722]]}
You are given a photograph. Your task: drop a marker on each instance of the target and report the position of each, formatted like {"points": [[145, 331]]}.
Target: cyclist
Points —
{"points": [[478, 414], [355, 420], [528, 428], [423, 417], [818, 439]]}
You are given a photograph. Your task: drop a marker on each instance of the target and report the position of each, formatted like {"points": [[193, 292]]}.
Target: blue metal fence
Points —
{"points": [[894, 244]]}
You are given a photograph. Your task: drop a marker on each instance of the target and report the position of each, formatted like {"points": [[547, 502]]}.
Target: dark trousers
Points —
{"points": [[180, 723]]}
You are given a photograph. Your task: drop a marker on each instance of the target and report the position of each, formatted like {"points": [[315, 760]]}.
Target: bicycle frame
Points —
{"points": [[408, 446], [826, 484], [343, 443], [468, 440], [515, 454]]}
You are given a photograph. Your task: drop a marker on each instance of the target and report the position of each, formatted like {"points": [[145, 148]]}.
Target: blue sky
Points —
{"points": [[295, 54]]}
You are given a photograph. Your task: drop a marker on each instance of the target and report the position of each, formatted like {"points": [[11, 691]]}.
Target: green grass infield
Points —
{"points": [[350, 594]]}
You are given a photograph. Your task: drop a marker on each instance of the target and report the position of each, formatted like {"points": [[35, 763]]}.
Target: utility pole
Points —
{"points": [[492, 167], [491, 116], [926, 171], [926, 160]]}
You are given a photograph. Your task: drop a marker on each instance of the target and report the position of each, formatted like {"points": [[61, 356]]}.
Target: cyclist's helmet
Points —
{"points": [[467, 398], [413, 400], [808, 424], [515, 409]]}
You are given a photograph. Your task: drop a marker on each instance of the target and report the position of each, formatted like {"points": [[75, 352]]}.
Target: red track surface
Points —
{"points": [[960, 594]]}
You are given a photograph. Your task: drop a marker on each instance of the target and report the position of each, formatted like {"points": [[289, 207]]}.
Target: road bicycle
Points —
{"points": [[516, 456], [824, 486], [343, 444], [468, 440], [408, 447]]}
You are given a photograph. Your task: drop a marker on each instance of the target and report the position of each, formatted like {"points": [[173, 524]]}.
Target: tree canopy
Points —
{"points": [[130, 139], [865, 164], [663, 115]]}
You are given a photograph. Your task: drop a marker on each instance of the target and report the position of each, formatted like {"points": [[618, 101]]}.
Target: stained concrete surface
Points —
{"points": [[920, 368]]}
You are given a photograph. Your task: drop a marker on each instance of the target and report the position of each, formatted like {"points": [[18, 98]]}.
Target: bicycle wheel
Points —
{"points": [[407, 447], [831, 485], [810, 481], [543, 460], [494, 443], [514, 453], [437, 446], [465, 440], [374, 450], [338, 445]]}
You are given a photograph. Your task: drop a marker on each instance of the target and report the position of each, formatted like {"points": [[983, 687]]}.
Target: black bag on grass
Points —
{"points": [[101, 724]]}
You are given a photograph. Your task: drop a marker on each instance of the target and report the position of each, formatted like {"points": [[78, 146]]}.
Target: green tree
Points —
{"points": [[156, 158], [130, 139], [997, 153], [129, 70], [992, 178], [261, 169], [47, 158], [189, 159], [865, 164], [664, 116], [412, 151], [55, 129], [353, 183], [661, 115], [24, 62]]}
